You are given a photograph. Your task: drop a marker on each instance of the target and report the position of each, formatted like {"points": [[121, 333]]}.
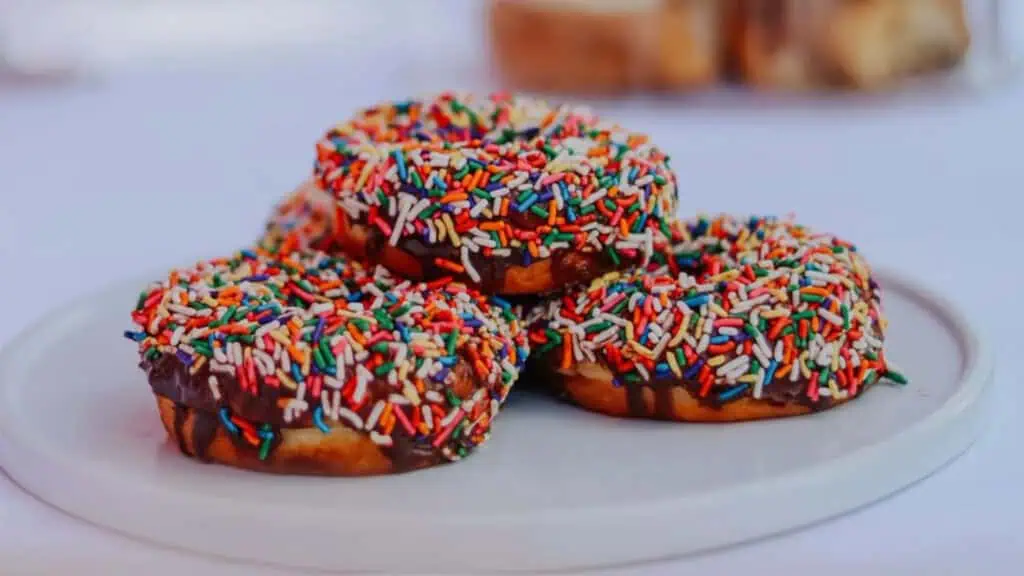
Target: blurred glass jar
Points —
{"points": [[617, 46]]}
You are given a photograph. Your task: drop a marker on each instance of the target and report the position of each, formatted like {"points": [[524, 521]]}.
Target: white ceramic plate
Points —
{"points": [[556, 488]]}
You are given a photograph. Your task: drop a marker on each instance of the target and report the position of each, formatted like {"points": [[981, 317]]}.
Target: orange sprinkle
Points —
{"points": [[566, 351], [453, 197], [449, 265], [355, 334], [777, 327], [816, 290]]}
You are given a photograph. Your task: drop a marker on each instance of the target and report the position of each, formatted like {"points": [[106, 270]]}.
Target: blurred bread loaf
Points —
{"points": [[607, 45], [860, 44]]}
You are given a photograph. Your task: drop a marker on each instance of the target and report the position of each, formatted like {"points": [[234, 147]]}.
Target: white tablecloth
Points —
{"points": [[104, 180]]}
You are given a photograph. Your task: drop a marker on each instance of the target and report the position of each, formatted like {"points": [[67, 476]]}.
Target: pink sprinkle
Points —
{"points": [[448, 430], [549, 180], [615, 217], [732, 322], [611, 303]]}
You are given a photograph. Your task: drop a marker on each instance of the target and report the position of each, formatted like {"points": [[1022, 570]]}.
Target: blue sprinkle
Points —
{"points": [[769, 373], [185, 359], [697, 300], [319, 330], [692, 371], [718, 340], [403, 331], [662, 369], [439, 183], [640, 222], [136, 336], [732, 392], [501, 302], [247, 253], [440, 376], [318, 419], [447, 360], [400, 162], [570, 214], [225, 419], [530, 200], [296, 375]]}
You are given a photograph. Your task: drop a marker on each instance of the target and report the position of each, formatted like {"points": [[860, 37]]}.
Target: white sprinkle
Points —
{"points": [[380, 439], [375, 413], [214, 386]]}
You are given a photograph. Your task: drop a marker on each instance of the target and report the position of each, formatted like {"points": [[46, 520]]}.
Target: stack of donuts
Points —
{"points": [[443, 248]]}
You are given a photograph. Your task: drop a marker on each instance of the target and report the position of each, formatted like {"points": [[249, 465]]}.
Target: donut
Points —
{"points": [[507, 194], [735, 319], [307, 363], [305, 219]]}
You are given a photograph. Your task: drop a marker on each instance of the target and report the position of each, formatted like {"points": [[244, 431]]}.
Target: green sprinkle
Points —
{"points": [[896, 376]]}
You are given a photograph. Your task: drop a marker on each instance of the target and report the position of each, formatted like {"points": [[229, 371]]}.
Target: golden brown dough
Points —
{"points": [[340, 452]]}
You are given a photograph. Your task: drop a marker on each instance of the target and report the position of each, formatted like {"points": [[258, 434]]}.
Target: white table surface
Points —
{"points": [[101, 181]]}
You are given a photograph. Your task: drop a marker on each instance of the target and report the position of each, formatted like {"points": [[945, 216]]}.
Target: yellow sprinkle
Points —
{"points": [[629, 332], [674, 365], [199, 364], [803, 364], [680, 333], [286, 380], [211, 302], [306, 359], [442, 232], [409, 391], [364, 175], [747, 379], [279, 336], [833, 387], [453, 236], [714, 307], [725, 276], [716, 361], [645, 352]]}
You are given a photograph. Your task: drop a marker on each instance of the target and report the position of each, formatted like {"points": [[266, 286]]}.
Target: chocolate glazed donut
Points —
{"points": [[734, 320], [306, 363], [509, 195]]}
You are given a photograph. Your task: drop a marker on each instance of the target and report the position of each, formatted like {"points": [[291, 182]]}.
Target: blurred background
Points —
{"points": [[608, 47]]}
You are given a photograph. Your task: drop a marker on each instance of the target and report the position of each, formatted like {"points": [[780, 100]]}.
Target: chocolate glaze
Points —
{"points": [[567, 266], [170, 378], [780, 393]]}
